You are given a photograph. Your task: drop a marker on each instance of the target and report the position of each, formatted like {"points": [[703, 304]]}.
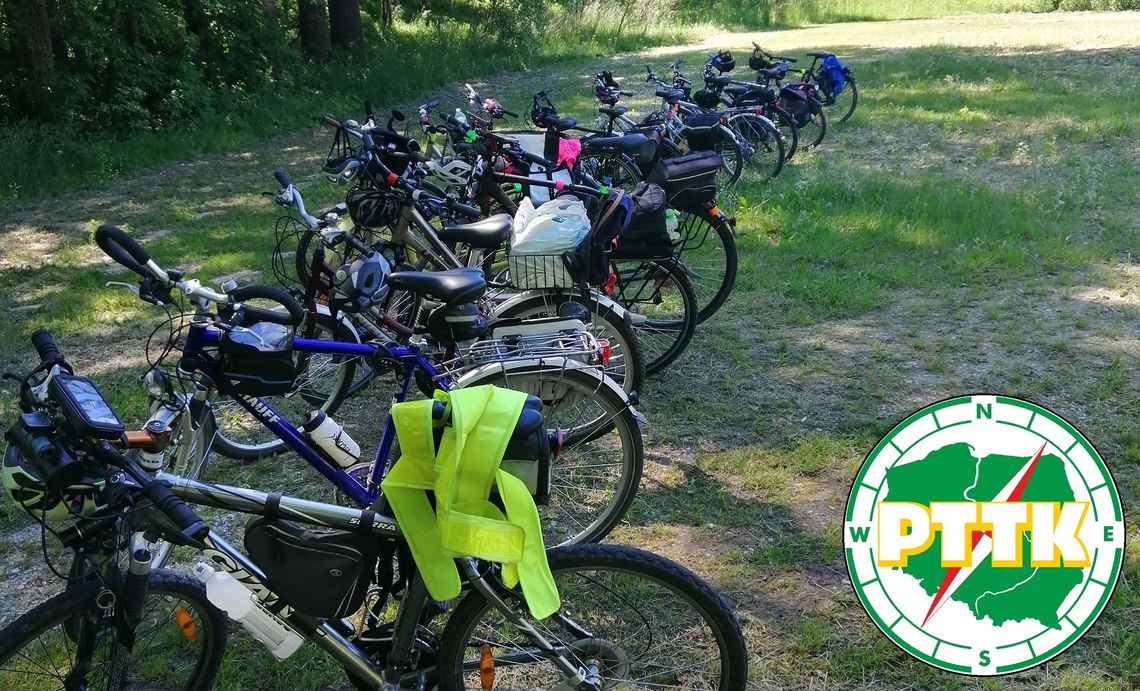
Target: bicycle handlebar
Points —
{"points": [[46, 348], [296, 314]]}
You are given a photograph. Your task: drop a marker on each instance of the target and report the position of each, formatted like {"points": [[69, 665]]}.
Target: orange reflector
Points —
{"points": [[486, 668], [186, 624], [714, 211]]}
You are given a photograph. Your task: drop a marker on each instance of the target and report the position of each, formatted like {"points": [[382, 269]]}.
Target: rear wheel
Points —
{"points": [[634, 618], [70, 642], [731, 157], [814, 130], [789, 132], [597, 471], [762, 145], [706, 250], [660, 296], [610, 168], [843, 103]]}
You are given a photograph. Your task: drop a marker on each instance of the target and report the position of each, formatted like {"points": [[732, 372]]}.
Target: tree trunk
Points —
{"points": [[388, 11], [31, 36], [270, 9], [345, 28], [314, 26]]}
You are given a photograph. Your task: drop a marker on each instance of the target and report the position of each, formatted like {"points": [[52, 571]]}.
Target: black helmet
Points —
{"points": [[371, 208], [459, 323], [723, 61], [706, 99]]}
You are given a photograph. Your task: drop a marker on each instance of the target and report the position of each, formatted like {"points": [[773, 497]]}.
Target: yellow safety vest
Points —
{"points": [[464, 523]]}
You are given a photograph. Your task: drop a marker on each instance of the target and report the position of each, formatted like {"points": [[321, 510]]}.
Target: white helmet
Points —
{"points": [[452, 171]]}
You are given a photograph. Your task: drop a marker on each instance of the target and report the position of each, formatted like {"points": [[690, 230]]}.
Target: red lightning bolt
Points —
{"points": [[1014, 495]]}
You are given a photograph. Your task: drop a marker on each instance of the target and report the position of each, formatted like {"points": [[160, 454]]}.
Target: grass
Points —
{"points": [[973, 228]]}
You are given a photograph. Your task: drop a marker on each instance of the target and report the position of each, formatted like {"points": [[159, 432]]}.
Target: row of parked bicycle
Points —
{"points": [[565, 269]]}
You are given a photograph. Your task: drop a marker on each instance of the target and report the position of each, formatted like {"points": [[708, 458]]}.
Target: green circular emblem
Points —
{"points": [[984, 535]]}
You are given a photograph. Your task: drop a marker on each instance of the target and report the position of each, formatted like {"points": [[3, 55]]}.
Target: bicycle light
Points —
{"points": [[157, 383]]}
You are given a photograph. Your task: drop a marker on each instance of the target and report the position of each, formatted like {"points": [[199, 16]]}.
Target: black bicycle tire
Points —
{"points": [[787, 121], [714, 608], [81, 598], [854, 101], [821, 119], [685, 327], [623, 160], [727, 138], [346, 375], [623, 420], [727, 237], [762, 123]]}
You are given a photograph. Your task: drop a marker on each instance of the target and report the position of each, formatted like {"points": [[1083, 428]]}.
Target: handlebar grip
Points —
{"points": [[329, 121], [432, 103], [46, 347], [123, 249], [279, 295], [191, 525], [464, 209], [282, 177]]}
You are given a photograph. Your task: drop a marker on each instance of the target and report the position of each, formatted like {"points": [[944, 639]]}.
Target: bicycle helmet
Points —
{"points": [[341, 171], [362, 282], [451, 171], [706, 99], [21, 483], [723, 61], [371, 208]]}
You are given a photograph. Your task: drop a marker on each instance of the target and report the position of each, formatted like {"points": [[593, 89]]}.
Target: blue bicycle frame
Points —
{"points": [[196, 359]]}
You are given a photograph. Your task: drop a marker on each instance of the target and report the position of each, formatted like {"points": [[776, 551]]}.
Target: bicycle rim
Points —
{"points": [[706, 251], [665, 309]]}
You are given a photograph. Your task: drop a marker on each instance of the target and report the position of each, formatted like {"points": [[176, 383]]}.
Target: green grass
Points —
{"points": [[972, 229]]}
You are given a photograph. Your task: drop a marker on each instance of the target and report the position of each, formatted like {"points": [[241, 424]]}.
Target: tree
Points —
{"points": [[313, 26], [345, 27], [388, 11], [32, 49]]}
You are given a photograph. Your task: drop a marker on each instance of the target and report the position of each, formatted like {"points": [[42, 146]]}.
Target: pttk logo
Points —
{"points": [[984, 535]]}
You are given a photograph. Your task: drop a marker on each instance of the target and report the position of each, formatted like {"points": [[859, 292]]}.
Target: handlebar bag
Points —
{"points": [[257, 360], [647, 236], [322, 573], [688, 181]]}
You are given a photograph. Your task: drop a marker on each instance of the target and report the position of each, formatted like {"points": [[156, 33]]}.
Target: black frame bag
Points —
{"points": [[322, 573], [257, 360]]}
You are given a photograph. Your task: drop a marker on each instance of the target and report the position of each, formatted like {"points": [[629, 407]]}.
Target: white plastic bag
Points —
{"points": [[541, 236]]}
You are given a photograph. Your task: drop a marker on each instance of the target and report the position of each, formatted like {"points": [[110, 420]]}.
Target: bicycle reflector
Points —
{"points": [[604, 350], [486, 668], [186, 624]]}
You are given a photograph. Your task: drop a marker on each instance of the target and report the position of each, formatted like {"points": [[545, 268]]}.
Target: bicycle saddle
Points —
{"points": [[454, 287], [819, 54], [670, 94], [625, 142], [721, 80], [614, 111], [560, 124], [487, 234]]}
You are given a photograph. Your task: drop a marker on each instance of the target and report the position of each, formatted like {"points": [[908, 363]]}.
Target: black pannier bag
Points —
{"points": [[703, 131], [649, 153], [257, 360], [797, 103], [647, 236], [589, 261], [319, 572], [688, 181]]}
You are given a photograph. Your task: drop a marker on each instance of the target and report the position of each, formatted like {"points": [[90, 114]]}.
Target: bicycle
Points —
{"points": [[97, 632], [600, 455]]}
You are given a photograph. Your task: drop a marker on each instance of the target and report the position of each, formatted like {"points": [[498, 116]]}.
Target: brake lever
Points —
{"points": [[120, 284]]}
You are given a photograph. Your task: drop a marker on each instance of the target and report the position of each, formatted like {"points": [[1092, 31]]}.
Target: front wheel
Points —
{"points": [[814, 129], [843, 102], [706, 250], [635, 619], [731, 157], [70, 642], [762, 143]]}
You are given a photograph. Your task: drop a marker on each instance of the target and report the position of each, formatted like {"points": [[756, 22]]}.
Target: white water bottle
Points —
{"points": [[331, 438], [229, 595], [460, 116]]}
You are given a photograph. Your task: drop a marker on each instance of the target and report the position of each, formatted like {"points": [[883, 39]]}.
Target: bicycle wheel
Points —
{"points": [[609, 168], [731, 157], [844, 102], [70, 642], [626, 366], [323, 384], [789, 132], [814, 130], [706, 250], [598, 469], [660, 296], [763, 147], [636, 619]]}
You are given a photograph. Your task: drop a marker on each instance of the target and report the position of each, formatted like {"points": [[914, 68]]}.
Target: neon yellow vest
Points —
{"points": [[465, 523]]}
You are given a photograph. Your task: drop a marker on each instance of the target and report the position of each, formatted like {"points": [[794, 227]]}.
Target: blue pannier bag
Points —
{"points": [[836, 72]]}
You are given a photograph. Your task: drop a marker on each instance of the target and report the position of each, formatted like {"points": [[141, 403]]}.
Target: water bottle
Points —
{"points": [[331, 438], [671, 225], [460, 116], [229, 595]]}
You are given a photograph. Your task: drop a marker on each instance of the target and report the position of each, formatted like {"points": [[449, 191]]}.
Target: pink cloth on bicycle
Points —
{"points": [[568, 151]]}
